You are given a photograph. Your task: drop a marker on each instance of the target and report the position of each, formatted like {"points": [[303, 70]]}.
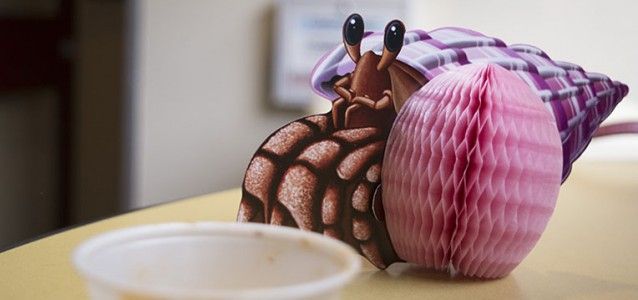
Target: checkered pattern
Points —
{"points": [[579, 100]]}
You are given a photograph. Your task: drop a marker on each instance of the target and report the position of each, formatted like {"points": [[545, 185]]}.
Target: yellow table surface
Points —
{"points": [[589, 250]]}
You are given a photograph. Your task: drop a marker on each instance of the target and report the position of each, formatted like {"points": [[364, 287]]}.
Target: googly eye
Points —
{"points": [[353, 29], [393, 38]]}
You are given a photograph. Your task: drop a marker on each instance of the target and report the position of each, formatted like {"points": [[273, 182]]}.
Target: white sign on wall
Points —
{"points": [[305, 30]]}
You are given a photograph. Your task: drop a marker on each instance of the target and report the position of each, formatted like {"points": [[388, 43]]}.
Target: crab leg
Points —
{"points": [[339, 104], [385, 101], [349, 110], [337, 108], [364, 101], [339, 88], [380, 104], [343, 81]]}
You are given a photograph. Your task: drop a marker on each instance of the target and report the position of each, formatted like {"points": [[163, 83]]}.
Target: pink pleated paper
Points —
{"points": [[471, 172]]}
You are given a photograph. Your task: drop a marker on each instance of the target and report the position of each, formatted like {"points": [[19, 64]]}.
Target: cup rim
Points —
{"points": [[351, 260]]}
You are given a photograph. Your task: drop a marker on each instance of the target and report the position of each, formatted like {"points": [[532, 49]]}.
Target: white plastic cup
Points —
{"points": [[215, 261]]}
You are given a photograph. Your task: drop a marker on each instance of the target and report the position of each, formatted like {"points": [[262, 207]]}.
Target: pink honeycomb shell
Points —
{"points": [[471, 172]]}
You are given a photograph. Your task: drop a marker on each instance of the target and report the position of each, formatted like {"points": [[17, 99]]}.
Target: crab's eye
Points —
{"points": [[393, 38], [353, 29]]}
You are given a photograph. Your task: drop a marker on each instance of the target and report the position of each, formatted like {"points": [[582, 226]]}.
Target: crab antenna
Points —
{"points": [[392, 43], [352, 36]]}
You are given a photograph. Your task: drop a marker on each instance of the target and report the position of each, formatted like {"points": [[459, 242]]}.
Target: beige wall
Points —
{"points": [[601, 36], [199, 93]]}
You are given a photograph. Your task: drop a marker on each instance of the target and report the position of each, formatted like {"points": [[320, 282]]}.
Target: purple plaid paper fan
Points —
{"points": [[579, 100]]}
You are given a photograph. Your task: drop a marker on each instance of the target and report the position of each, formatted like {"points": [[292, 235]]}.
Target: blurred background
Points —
{"points": [[113, 105]]}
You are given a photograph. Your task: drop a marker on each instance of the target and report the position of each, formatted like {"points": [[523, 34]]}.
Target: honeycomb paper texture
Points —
{"points": [[471, 172]]}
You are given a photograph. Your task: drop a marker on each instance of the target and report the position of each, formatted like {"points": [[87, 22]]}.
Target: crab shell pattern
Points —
{"points": [[579, 100], [302, 175]]}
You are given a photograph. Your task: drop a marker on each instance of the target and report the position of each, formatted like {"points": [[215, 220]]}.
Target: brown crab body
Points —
{"points": [[311, 176], [322, 173]]}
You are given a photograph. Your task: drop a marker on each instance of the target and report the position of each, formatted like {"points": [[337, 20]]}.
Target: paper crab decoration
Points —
{"points": [[444, 148]]}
